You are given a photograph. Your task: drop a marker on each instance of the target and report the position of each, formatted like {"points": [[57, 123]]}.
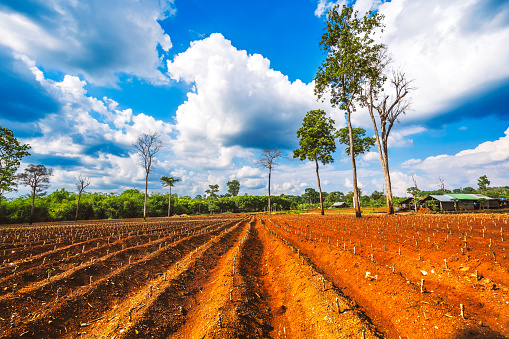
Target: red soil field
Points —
{"points": [[258, 276]]}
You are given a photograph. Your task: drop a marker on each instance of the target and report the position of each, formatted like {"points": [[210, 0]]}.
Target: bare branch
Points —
{"points": [[82, 183], [269, 157]]}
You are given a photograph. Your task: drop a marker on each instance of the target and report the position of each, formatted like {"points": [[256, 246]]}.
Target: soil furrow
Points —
{"points": [[86, 301]]}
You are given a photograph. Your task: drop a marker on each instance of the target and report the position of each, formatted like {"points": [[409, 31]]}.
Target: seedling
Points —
{"points": [[363, 331]]}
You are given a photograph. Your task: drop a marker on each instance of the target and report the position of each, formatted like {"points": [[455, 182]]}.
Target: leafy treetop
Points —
{"points": [[317, 136], [11, 153]]}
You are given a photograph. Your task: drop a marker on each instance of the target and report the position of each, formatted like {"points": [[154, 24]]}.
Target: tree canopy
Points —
{"points": [[11, 153], [233, 187], [361, 143]]}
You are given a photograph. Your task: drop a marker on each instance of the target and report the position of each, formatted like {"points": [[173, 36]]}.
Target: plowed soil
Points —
{"points": [[246, 276]]}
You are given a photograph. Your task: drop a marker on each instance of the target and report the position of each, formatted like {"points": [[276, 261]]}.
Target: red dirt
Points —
{"points": [[238, 276]]}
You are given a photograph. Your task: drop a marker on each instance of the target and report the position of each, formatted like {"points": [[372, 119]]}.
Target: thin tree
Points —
{"points": [[415, 193], [268, 160], [81, 184], [37, 177], [233, 187], [350, 50], [11, 153], [442, 185], [483, 183], [316, 142], [147, 146], [212, 191], [388, 107], [168, 182]]}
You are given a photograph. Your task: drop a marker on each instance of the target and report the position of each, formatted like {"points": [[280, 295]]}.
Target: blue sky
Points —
{"points": [[221, 80]]}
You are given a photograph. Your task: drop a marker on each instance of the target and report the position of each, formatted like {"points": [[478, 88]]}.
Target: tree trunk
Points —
{"points": [[77, 207], [319, 188], [169, 204], [354, 168], [33, 207], [384, 160], [270, 170], [145, 201]]}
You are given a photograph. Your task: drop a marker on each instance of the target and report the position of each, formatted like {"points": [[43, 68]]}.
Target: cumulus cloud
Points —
{"points": [[451, 49], [489, 158], [238, 102], [96, 39], [89, 136]]}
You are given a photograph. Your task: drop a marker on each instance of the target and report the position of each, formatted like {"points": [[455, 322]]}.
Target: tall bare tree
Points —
{"points": [[268, 160], [442, 185], [168, 182], [81, 184], [37, 177], [388, 108], [147, 146]]}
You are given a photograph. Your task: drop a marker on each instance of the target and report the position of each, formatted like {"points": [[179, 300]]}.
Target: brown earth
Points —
{"points": [[241, 276]]}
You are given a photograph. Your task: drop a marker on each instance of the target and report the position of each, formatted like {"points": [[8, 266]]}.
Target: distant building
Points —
{"points": [[338, 205], [452, 202], [408, 204]]}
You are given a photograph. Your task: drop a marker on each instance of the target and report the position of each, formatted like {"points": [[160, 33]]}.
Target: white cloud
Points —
{"points": [[398, 137], [362, 6], [238, 103], [96, 39], [247, 172], [490, 158], [450, 49]]}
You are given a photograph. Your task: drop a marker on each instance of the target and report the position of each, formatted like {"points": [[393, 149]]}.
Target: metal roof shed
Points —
{"points": [[445, 202]]}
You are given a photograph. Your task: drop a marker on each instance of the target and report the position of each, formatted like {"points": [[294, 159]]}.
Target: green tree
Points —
{"points": [[268, 160], [361, 143], [316, 142], [414, 191], [469, 190], [37, 177], [212, 191], [351, 51], [310, 195], [11, 153], [335, 196], [376, 195], [483, 183], [233, 187], [169, 182], [147, 146]]}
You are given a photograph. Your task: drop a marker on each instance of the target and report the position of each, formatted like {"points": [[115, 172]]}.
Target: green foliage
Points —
{"points": [[60, 205], [310, 196], [351, 52], [212, 191], [483, 182], [168, 181], [316, 138], [361, 144], [11, 153], [233, 187], [414, 191], [335, 196]]}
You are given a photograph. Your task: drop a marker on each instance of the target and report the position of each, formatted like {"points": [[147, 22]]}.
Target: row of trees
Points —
{"points": [[62, 205]]}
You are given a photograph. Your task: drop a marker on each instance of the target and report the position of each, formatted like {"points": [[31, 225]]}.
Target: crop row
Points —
{"points": [[377, 262]]}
